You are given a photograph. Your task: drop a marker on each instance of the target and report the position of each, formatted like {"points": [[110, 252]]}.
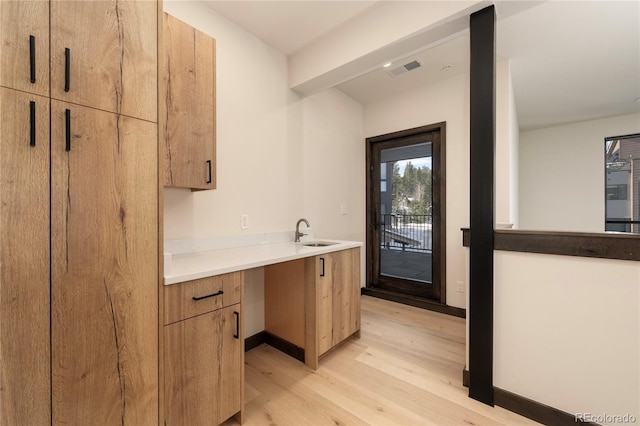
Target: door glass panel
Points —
{"points": [[406, 197]]}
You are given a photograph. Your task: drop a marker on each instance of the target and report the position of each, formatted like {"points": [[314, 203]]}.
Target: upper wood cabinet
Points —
{"points": [[24, 258], [189, 91], [24, 46], [104, 55]]}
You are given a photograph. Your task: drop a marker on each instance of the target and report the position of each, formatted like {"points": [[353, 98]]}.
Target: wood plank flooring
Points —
{"points": [[405, 369]]}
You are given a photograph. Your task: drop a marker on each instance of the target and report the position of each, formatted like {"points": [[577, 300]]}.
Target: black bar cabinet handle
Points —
{"points": [[208, 295], [32, 123], [237, 333], [322, 263], [209, 166], [32, 58], [67, 117], [67, 68]]}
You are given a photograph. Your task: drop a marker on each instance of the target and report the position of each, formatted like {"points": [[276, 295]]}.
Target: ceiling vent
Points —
{"points": [[410, 66]]}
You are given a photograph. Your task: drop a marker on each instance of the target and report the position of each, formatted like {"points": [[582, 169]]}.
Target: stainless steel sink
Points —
{"points": [[318, 244]]}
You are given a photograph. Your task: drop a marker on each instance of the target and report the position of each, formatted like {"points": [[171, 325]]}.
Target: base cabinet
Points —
{"points": [[204, 353], [314, 303]]}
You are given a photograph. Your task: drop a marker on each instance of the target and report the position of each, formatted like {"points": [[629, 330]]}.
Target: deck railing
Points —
{"points": [[408, 232]]}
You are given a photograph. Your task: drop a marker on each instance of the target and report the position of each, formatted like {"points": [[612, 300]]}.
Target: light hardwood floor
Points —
{"points": [[405, 369]]}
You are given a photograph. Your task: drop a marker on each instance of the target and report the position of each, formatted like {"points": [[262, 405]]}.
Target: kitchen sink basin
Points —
{"points": [[318, 244]]}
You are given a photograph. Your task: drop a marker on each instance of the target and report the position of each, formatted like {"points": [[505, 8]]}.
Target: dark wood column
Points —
{"points": [[482, 172]]}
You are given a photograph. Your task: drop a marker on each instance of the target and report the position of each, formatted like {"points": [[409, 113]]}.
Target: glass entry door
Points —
{"points": [[404, 227]]}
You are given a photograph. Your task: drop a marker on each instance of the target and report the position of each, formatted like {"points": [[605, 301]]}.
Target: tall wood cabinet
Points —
{"points": [[24, 258], [189, 91], [78, 213]]}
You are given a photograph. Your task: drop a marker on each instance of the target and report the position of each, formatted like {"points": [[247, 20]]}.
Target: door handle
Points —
{"points": [[209, 179], [67, 69], [32, 58], [67, 119], [322, 266], [32, 123], [236, 335]]}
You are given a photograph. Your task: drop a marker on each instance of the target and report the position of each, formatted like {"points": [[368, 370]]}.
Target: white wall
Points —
{"points": [[567, 332], [279, 157], [506, 212], [562, 174], [446, 101]]}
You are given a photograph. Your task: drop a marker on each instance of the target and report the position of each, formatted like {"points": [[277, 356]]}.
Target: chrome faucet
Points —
{"points": [[298, 233]]}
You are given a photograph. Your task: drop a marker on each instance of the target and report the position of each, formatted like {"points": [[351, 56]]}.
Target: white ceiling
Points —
{"points": [[570, 60], [289, 25]]}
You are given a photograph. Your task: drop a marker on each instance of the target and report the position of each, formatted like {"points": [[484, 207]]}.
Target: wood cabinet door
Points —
{"points": [[337, 297], [104, 236], [111, 62], [24, 258], [24, 46], [188, 89], [345, 294], [324, 301], [203, 364]]}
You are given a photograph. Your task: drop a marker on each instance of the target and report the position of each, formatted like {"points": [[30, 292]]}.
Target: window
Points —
{"points": [[622, 183]]}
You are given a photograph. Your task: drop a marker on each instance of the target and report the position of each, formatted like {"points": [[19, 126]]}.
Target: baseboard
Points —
{"points": [[465, 377], [274, 341], [254, 341], [418, 302], [284, 346], [534, 410]]}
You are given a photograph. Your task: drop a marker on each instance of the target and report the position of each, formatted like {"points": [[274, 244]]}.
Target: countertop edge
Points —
{"points": [[204, 272]]}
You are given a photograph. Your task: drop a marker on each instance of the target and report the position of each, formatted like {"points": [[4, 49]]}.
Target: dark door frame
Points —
{"points": [[414, 135]]}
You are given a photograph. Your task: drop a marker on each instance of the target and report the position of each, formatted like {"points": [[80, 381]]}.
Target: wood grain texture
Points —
{"points": [[189, 90], [284, 301], [332, 301], [104, 232], [178, 298], [203, 366], [18, 21], [24, 261], [114, 58], [404, 370]]}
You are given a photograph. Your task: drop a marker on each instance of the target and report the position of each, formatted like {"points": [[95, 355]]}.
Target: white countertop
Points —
{"points": [[201, 264]]}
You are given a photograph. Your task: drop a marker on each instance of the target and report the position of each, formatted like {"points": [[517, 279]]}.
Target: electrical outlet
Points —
{"points": [[343, 209], [244, 221], [460, 286]]}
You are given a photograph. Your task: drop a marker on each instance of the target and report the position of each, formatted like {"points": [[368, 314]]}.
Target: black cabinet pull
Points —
{"points": [[322, 266], [208, 295], [32, 123], [237, 333], [32, 58], [210, 175], [67, 68], [67, 117]]}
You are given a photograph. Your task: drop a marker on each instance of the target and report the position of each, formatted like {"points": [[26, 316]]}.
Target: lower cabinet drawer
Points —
{"points": [[191, 298]]}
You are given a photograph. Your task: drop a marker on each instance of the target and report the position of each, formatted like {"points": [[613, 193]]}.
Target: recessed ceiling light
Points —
{"points": [[387, 65]]}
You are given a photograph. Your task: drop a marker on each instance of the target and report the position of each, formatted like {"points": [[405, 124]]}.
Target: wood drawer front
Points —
{"points": [[191, 298]]}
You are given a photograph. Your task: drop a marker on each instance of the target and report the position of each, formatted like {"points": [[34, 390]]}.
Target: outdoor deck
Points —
{"points": [[408, 264]]}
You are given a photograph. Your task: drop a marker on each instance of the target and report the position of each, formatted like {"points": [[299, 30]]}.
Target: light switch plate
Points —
{"points": [[244, 221]]}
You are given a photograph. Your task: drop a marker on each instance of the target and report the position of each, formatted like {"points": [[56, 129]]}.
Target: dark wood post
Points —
{"points": [[482, 172]]}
